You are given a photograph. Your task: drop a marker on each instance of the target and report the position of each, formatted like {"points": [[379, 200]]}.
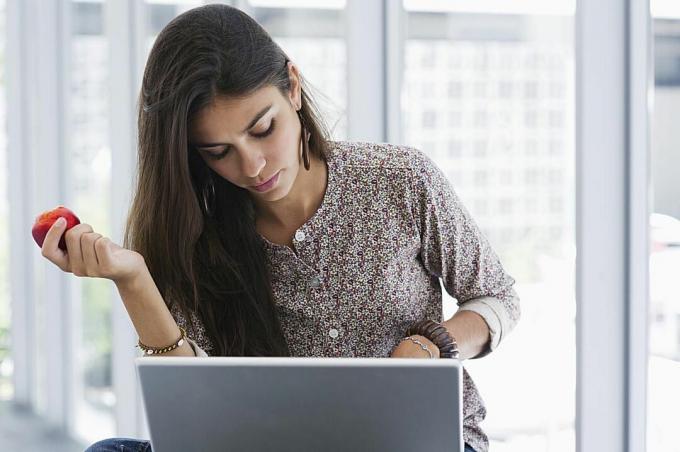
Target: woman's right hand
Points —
{"points": [[90, 254]]}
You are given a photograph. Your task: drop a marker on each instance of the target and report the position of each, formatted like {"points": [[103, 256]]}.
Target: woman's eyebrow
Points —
{"points": [[250, 125]]}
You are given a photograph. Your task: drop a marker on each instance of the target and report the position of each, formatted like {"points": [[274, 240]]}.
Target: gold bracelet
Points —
{"points": [[157, 350]]}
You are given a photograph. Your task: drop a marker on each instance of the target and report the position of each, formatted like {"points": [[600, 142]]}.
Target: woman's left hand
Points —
{"points": [[409, 349]]}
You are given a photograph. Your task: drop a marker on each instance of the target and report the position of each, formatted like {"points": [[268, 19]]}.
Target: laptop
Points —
{"points": [[302, 404]]}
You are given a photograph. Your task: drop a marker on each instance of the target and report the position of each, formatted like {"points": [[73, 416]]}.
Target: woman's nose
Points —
{"points": [[252, 163]]}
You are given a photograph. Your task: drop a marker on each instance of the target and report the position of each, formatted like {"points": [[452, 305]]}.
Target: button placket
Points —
{"points": [[298, 238]]}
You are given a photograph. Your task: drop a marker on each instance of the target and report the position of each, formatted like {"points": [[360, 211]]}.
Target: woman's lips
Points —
{"points": [[269, 184]]}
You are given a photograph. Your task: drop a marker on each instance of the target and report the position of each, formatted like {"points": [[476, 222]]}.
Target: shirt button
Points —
{"points": [[300, 236], [333, 333], [315, 281]]}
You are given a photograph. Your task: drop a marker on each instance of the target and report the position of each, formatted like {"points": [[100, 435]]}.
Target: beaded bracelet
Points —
{"points": [[439, 335], [157, 350]]}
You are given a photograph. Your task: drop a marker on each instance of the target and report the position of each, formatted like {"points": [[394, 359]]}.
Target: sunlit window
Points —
{"points": [[664, 259], [313, 36], [489, 95], [90, 159], [311, 33]]}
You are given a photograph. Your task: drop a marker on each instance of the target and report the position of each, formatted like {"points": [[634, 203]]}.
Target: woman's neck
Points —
{"points": [[303, 200]]}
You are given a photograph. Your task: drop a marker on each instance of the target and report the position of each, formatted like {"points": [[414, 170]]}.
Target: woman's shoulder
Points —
{"points": [[386, 156]]}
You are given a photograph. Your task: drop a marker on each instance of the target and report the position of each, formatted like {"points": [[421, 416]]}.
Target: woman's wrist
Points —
{"points": [[421, 346], [135, 280], [438, 334]]}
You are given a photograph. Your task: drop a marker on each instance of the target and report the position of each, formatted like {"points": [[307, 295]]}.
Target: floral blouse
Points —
{"points": [[368, 264]]}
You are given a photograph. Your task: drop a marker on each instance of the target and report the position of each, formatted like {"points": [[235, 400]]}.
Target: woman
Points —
{"points": [[251, 233]]}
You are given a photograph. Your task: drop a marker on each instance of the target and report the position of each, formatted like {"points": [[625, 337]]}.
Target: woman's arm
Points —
{"points": [[471, 333], [89, 254], [150, 316], [455, 250]]}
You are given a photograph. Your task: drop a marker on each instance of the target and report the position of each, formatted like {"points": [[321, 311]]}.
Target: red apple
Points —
{"points": [[44, 221]]}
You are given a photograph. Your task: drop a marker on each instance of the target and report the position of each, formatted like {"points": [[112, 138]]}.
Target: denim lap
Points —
{"points": [[135, 445], [120, 445]]}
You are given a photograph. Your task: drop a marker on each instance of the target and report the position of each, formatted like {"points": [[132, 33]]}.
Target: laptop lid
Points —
{"points": [[302, 404]]}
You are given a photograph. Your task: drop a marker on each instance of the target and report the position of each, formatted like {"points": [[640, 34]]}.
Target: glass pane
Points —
{"points": [[90, 163], [489, 95], [159, 12], [664, 259], [313, 36], [6, 388]]}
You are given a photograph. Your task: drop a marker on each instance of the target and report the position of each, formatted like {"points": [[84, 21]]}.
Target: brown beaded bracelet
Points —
{"points": [[439, 335], [157, 350]]}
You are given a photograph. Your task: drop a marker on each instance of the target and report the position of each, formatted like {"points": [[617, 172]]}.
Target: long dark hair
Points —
{"points": [[212, 266]]}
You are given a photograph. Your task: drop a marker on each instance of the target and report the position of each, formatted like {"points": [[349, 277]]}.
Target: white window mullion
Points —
{"points": [[640, 87], [36, 69], [366, 77], [395, 38], [70, 332], [611, 223], [20, 195], [49, 58], [600, 225]]}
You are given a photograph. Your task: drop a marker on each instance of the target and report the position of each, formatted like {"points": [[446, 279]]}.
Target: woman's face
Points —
{"points": [[251, 140]]}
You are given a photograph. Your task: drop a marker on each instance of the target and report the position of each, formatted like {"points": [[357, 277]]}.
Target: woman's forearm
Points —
{"points": [[150, 316], [470, 331]]}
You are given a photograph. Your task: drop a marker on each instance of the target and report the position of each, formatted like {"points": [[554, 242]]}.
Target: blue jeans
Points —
{"points": [[136, 445]]}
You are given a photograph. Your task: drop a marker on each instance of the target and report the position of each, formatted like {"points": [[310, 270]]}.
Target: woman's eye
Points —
{"points": [[266, 132], [224, 152], [218, 156]]}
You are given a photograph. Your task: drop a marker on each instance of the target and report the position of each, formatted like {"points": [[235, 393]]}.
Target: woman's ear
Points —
{"points": [[295, 95]]}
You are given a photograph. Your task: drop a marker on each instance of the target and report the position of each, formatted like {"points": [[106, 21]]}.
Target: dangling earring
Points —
{"points": [[305, 141], [209, 196]]}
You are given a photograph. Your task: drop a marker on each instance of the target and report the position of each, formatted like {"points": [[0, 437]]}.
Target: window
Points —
{"points": [[664, 260], [90, 159], [429, 120], [455, 149], [498, 68], [455, 89], [313, 37], [455, 119]]}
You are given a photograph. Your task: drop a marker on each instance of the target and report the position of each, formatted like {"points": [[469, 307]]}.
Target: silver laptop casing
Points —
{"points": [[302, 404]]}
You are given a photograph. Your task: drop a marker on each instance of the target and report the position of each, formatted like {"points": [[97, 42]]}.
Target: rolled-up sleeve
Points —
{"points": [[454, 249]]}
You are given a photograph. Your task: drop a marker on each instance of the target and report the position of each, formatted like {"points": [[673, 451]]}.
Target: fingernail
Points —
{"points": [[61, 221]]}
